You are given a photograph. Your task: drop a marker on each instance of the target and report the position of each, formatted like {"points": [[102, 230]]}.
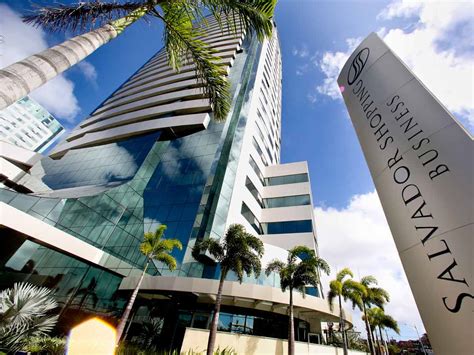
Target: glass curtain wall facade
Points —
{"points": [[29, 125], [149, 155]]}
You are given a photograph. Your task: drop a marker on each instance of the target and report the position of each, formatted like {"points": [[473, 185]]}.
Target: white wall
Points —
{"points": [[196, 339]]}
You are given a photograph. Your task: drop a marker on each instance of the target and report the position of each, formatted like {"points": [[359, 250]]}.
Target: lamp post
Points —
{"points": [[419, 339], [418, 335]]}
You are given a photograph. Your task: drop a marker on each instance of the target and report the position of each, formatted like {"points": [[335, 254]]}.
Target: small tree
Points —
{"points": [[154, 247], [348, 290], [25, 311], [239, 252], [379, 319], [296, 274]]}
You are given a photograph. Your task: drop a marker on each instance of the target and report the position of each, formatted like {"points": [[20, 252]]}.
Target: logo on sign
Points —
{"points": [[357, 65]]}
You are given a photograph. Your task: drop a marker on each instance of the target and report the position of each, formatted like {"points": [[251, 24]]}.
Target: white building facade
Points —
{"points": [[29, 125]]}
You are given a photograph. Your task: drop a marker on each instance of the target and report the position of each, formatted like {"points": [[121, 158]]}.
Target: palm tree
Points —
{"points": [[111, 18], [296, 274], [372, 296], [154, 247], [377, 318], [348, 290], [239, 252], [25, 311]]}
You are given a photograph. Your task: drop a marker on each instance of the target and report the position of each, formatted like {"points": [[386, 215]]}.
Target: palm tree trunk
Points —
{"points": [[19, 79], [377, 351], [128, 309], [341, 322], [215, 318], [383, 343], [291, 327], [369, 332]]}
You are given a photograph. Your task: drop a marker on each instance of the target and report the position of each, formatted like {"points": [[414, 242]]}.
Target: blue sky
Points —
{"points": [[316, 37]]}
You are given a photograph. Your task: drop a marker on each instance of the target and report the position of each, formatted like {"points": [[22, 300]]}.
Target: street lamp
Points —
{"points": [[418, 335]]}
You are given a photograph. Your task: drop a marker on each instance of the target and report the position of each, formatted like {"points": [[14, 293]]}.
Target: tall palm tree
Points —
{"points": [[239, 252], [346, 289], [154, 247], [111, 18], [371, 296], [296, 274], [379, 319], [25, 311]]}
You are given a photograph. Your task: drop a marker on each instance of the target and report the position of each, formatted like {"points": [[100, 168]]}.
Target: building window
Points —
{"points": [[312, 291], [260, 152], [255, 168], [287, 201], [250, 217], [287, 179], [303, 226], [253, 190]]}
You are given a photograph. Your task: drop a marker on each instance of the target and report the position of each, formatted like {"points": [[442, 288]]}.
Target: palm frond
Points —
{"points": [[274, 266], [331, 297], [250, 262], [255, 244], [25, 310], [254, 15], [343, 273], [170, 244], [160, 231], [81, 16], [322, 265], [368, 280], [166, 259], [355, 298], [154, 246], [181, 43], [377, 317], [351, 286], [242, 252], [212, 245], [335, 286], [377, 296], [306, 278], [390, 322]]}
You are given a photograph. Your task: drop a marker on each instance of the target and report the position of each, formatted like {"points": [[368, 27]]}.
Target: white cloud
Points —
{"points": [[20, 41], [302, 69], [331, 65], [301, 52], [400, 9], [88, 70], [438, 48], [358, 237], [312, 97], [446, 72]]}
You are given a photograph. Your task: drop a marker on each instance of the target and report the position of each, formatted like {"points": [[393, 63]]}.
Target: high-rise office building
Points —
{"points": [[151, 154], [29, 125]]}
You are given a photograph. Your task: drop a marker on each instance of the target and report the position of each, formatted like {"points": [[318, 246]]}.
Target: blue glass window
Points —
{"points": [[303, 226], [312, 291], [253, 190], [287, 179], [260, 152], [299, 200], [250, 217], [255, 168]]}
